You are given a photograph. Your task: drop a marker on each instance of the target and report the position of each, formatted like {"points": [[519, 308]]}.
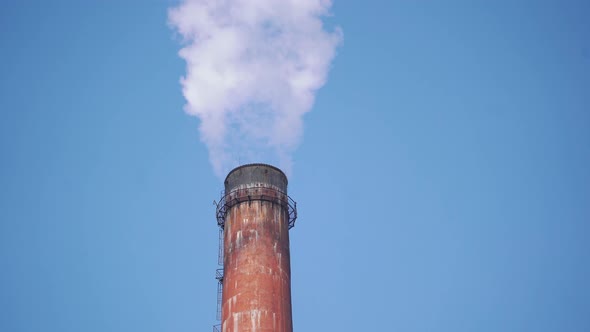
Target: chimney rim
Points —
{"points": [[255, 165]]}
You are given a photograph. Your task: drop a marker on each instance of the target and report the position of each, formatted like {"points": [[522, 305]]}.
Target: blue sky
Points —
{"points": [[442, 181]]}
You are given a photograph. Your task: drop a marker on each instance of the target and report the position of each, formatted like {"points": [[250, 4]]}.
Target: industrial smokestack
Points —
{"points": [[255, 214]]}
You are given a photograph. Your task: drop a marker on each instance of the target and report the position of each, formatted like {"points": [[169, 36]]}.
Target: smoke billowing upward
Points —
{"points": [[253, 67]]}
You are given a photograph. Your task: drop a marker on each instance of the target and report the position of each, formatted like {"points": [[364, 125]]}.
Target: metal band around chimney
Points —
{"points": [[258, 193]]}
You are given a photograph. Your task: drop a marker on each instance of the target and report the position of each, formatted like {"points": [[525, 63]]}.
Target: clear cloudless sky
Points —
{"points": [[443, 182]]}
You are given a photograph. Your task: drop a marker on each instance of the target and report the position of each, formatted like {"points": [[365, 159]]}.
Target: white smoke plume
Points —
{"points": [[253, 68]]}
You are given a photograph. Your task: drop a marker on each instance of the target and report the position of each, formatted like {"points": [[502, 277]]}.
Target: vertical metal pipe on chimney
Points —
{"points": [[256, 214]]}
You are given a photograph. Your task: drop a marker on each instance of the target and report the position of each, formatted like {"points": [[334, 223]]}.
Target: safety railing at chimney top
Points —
{"points": [[249, 194]]}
